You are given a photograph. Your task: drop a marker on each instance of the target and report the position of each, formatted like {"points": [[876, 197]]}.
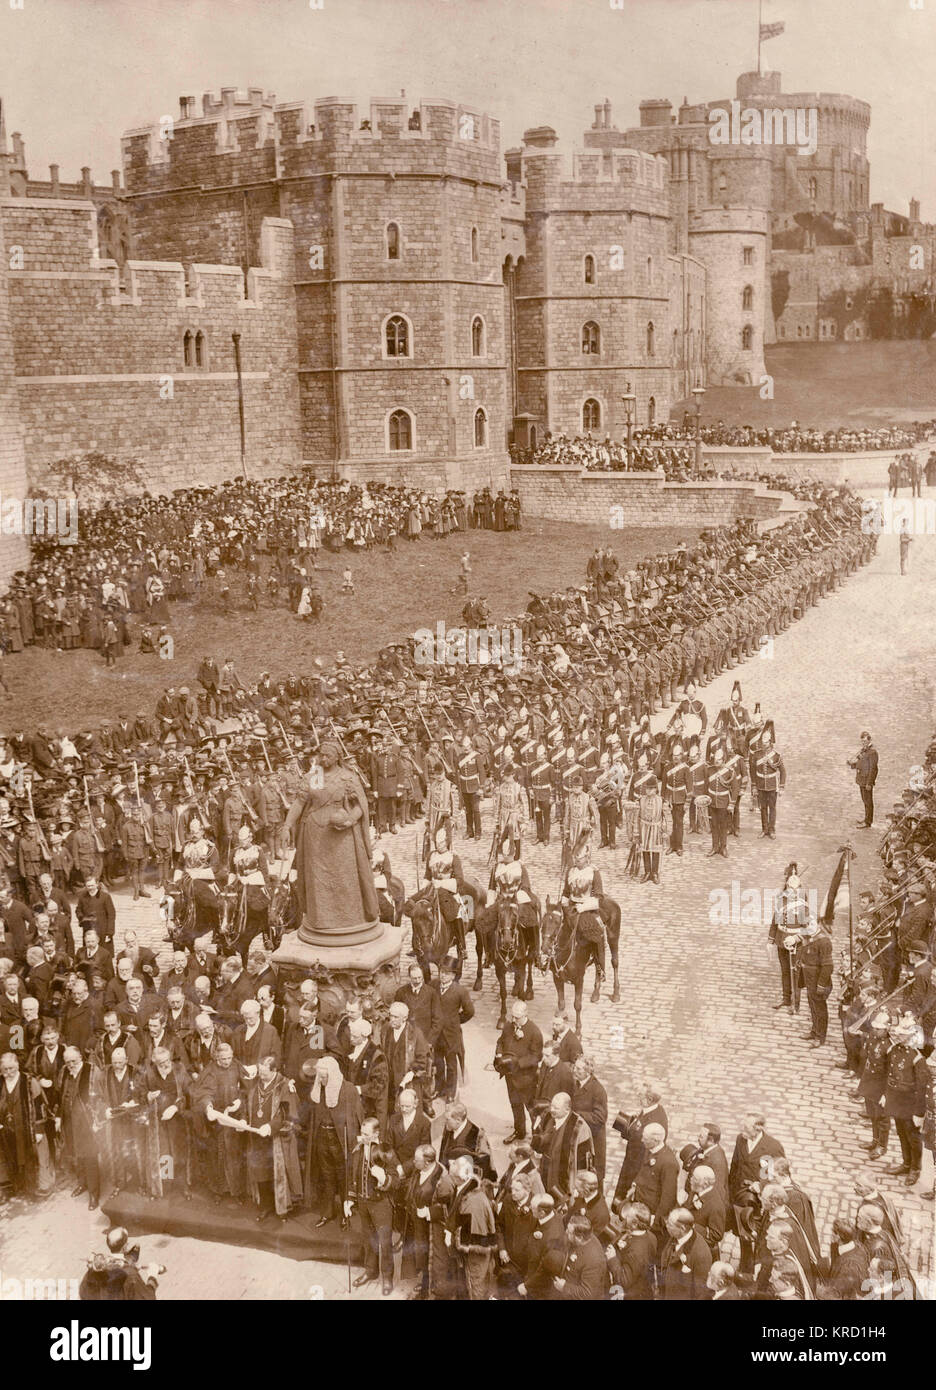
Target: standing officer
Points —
{"points": [[385, 779], [541, 778], [865, 763], [769, 776], [723, 786], [134, 847], [677, 789], [508, 811], [815, 964], [469, 784]]}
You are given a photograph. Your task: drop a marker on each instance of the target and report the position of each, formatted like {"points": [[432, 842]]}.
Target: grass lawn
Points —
{"points": [[395, 595], [830, 384]]}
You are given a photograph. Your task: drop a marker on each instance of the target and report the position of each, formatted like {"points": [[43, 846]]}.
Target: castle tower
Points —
{"points": [[399, 267], [595, 292]]}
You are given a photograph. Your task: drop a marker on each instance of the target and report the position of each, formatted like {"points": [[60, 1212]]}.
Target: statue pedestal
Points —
{"points": [[360, 952]]}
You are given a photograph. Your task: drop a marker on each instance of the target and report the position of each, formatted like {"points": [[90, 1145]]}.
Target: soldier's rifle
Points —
{"points": [[147, 832], [43, 842], [266, 756], [98, 841], [254, 818]]}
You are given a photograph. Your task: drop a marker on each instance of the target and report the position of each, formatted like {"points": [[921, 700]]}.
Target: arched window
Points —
{"points": [[675, 345], [651, 411], [649, 270], [591, 337], [747, 297], [199, 349], [477, 336], [650, 334], [591, 415], [400, 430], [188, 348], [589, 270], [813, 188], [480, 429], [474, 243], [722, 183], [393, 241], [397, 336], [747, 337]]}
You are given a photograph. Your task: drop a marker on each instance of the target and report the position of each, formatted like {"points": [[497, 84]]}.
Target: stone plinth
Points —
{"points": [[340, 956]]}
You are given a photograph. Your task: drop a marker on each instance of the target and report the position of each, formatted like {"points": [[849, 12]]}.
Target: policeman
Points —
{"points": [[815, 965]]}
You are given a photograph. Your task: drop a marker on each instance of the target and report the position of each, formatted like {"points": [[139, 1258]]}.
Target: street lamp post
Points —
{"points": [[236, 339], [630, 401], [698, 392]]}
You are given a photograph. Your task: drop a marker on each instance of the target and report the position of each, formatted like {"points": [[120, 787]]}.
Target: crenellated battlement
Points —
{"points": [[285, 136]]}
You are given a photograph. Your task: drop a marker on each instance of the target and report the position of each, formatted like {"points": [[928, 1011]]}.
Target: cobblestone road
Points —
{"points": [[695, 1012]]}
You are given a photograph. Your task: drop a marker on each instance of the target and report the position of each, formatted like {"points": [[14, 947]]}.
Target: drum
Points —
{"points": [[702, 804], [629, 829]]}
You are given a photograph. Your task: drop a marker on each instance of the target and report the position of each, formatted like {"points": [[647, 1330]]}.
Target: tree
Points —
{"points": [[93, 477], [881, 314], [779, 291]]}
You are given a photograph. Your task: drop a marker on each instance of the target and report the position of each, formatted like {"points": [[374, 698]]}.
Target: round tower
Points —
{"points": [[732, 244]]}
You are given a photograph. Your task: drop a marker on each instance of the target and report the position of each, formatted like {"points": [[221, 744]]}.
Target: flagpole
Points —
{"points": [[760, 16], [851, 934]]}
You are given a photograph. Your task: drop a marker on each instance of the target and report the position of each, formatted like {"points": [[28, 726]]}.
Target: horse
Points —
{"points": [[283, 913], [568, 943], [438, 924], [191, 909], [507, 935]]}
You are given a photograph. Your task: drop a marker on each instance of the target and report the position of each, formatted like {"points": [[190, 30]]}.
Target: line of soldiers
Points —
{"points": [[887, 1005], [122, 798]]}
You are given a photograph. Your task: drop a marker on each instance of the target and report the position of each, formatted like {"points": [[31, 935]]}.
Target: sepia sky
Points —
{"points": [[74, 74]]}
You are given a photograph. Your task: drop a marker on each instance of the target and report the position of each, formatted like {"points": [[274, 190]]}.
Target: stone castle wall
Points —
{"points": [[13, 548], [638, 499], [99, 365]]}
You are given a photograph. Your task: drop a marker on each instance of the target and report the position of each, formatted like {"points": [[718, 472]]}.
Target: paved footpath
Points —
{"points": [[696, 1012]]}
